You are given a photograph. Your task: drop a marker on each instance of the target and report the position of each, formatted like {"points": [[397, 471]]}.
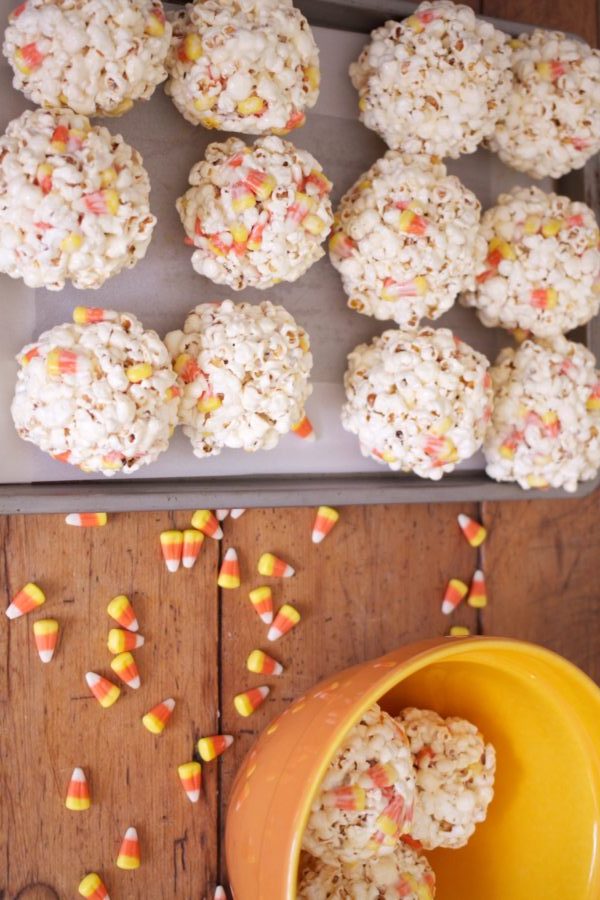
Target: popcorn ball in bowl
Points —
{"points": [[243, 374], [455, 771], [95, 57], [256, 215], [538, 266], [365, 800], [545, 428], [74, 201], [435, 83], [419, 401], [552, 123], [404, 240], [99, 393], [243, 65]]}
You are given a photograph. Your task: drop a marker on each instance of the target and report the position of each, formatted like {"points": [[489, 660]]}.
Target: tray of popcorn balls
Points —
{"points": [[251, 256]]}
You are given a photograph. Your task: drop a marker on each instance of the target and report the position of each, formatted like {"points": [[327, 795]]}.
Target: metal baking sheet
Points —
{"points": [[163, 287]]}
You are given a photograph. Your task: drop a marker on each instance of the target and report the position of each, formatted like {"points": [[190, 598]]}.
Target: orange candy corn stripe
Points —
{"points": [[472, 530], [274, 567], [120, 640], [105, 692], [477, 594], [171, 544], [192, 544], [287, 617], [229, 576], [93, 888], [45, 632], [325, 519], [456, 591], [155, 720], [129, 855], [304, 429], [125, 667], [29, 598], [211, 747], [262, 664], [78, 792], [206, 522], [249, 701], [190, 775], [348, 798], [121, 610], [87, 520]]}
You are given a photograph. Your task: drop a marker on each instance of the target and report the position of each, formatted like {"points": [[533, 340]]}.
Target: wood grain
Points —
{"points": [[578, 16]]}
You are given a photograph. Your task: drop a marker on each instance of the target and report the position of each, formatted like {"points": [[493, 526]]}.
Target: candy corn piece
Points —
{"points": [[271, 565], [261, 599], [190, 775], [211, 747], [121, 610], [249, 701], [379, 775], [286, 618], [129, 854], [263, 664], [93, 888], [207, 523], [221, 514], [237, 513], [105, 692], [472, 530], [120, 640], [159, 715], [324, 522], [229, 576], [171, 544], [125, 667], [220, 893], [87, 520], [477, 594], [78, 793], [303, 429], [192, 544], [455, 592], [28, 599], [45, 632], [349, 797], [459, 631]]}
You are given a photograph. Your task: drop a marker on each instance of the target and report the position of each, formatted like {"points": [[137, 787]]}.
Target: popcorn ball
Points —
{"points": [[99, 393], [243, 375], [545, 429], [418, 401], [455, 771], [538, 267], [94, 56], [552, 123], [256, 215], [404, 240], [243, 65], [73, 201], [402, 873], [365, 801], [435, 83]]}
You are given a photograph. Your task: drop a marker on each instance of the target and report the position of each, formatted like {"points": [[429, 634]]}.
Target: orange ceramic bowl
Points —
{"points": [[539, 841]]}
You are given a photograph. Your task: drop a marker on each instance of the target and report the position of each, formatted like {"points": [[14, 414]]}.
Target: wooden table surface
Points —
{"points": [[375, 583]]}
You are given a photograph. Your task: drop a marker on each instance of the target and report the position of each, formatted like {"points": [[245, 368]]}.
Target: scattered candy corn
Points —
{"points": [[93, 888], [455, 592], [249, 701], [220, 893], [211, 747], [105, 692], [261, 599], [45, 632], [271, 565], [459, 631], [304, 429], [90, 315], [87, 520], [28, 599], [349, 797], [229, 576], [125, 667], [129, 854], [477, 594], [263, 664], [159, 715], [237, 513], [171, 544], [325, 520], [286, 618], [78, 793], [190, 775], [121, 610], [221, 514], [472, 530], [206, 522], [192, 544], [120, 640]]}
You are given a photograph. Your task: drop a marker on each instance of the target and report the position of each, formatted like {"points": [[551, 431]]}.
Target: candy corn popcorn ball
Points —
{"points": [[243, 373], [243, 65], [545, 429], [100, 396], [552, 123], [538, 265], [94, 56], [256, 215], [73, 201], [434, 83], [418, 401], [404, 239], [455, 772], [403, 873], [365, 801]]}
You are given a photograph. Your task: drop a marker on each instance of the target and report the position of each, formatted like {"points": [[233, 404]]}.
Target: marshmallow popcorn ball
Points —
{"points": [[455, 772], [243, 375], [94, 56], [256, 215], [435, 83], [365, 801], [404, 240], [73, 201], [100, 393], [243, 65], [539, 263], [418, 401], [545, 428], [552, 123]]}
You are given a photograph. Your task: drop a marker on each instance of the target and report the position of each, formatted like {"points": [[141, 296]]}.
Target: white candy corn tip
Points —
{"points": [[267, 617], [131, 834], [278, 669], [264, 691], [46, 655], [172, 564], [134, 683], [13, 611], [220, 893], [317, 536], [78, 775], [274, 633], [169, 703], [230, 555], [221, 514], [193, 796], [92, 679], [447, 607], [237, 513]]}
